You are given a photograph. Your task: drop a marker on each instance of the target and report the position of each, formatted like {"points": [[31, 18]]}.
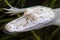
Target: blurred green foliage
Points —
{"points": [[47, 33]]}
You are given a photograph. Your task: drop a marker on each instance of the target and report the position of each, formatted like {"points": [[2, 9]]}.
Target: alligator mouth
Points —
{"points": [[7, 32]]}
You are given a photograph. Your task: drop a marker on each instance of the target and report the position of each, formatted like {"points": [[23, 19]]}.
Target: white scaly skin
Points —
{"points": [[49, 17]]}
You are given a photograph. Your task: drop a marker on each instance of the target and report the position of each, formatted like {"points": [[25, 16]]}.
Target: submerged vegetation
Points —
{"points": [[48, 33]]}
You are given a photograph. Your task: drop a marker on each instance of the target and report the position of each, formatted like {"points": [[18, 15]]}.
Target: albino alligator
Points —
{"points": [[35, 17]]}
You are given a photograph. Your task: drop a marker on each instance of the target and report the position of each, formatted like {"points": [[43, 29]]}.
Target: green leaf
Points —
{"points": [[1, 9], [53, 33], [5, 37], [5, 20], [52, 3], [2, 15], [1, 0]]}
